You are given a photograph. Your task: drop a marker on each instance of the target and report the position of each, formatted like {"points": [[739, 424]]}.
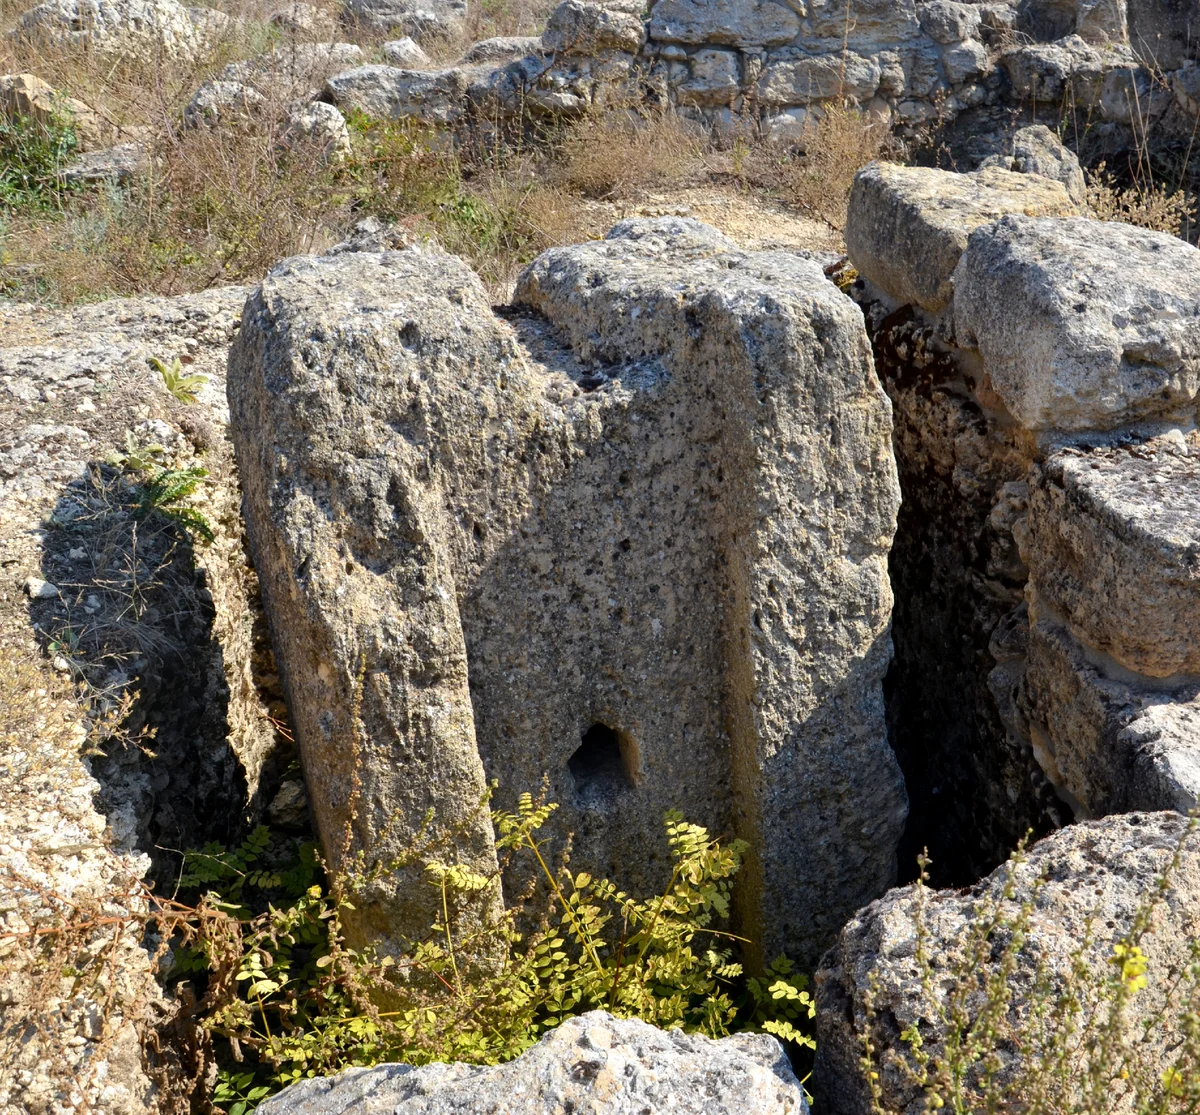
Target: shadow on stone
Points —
{"points": [[126, 611]]}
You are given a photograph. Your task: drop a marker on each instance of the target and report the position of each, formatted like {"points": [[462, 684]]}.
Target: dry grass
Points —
{"points": [[623, 149], [816, 174]]}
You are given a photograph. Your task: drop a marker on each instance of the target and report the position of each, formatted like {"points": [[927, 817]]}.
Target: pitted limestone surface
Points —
{"points": [[648, 522]]}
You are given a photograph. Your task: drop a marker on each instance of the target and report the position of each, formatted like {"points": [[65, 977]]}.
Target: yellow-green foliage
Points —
{"points": [[291, 999]]}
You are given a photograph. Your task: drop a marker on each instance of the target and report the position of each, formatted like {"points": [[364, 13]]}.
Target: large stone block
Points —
{"points": [[1113, 544], [577, 27], [1086, 885], [1109, 744], [644, 522], [389, 93], [594, 1063], [908, 226], [1083, 325], [801, 79], [724, 22]]}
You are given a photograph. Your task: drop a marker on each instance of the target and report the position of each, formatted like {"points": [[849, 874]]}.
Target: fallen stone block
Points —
{"points": [[1083, 325], [595, 1063], [908, 226], [761, 23], [1096, 876]]}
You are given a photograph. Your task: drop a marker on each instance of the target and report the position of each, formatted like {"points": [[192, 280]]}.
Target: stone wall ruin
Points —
{"points": [[1044, 374]]}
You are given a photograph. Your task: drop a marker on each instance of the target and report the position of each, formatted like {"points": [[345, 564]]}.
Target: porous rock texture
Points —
{"points": [[196, 672], [1044, 561], [651, 507], [593, 1063], [1083, 325], [1097, 876], [144, 28], [908, 226]]}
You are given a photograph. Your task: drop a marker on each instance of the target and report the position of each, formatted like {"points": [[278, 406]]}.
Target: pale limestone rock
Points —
{"points": [[1132, 95], [422, 19], [405, 53], [865, 26], [1110, 742], [801, 79], [298, 18], [946, 21], [388, 92], [495, 50], [217, 102], [1097, 875], [1037, 150], [320, 126], [719, 618], [1185, 83], [579, 27], [1082, 324], [1048, 72], [121, 163], [594, 1063], [1101, 21], [141, 27], [761, 23], [29, 96], [1113, 545], [967, 61], [715, 78], [908, 226]]}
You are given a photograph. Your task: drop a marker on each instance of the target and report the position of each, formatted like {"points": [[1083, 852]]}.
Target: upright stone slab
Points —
{"points": [[641, 523]]}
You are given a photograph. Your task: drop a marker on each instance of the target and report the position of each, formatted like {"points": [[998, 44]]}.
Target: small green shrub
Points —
{"points": [[33, 154], [288, 999]]}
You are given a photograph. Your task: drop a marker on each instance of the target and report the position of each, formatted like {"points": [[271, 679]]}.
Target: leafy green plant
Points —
{"points": [[184, 387], [288, 994], [33, 154], [163, 490]]}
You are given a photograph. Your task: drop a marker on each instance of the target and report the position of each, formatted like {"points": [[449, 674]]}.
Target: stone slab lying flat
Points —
{"points": [[1113, 544], [1113, 745], [908, 226], [594, 1063], [1082, 324], [631, 537]]}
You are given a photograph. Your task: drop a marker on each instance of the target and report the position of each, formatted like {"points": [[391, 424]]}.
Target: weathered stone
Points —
{"points": [[1107, 743], [1101, 21], [1082, 324], [865, 26], [1048, 72], [946, 21], [725, 22], [908, 226], [711, 636], [359, 592], [1133, 95], [579, 27], [1096, 877], [405, 53], [293, 67], [498, 50], [389, 93], [122, 164], [1185, 83], [113, 26], [318, 125], [805, 79], [298, 18], [422, 19], [29, 96], [1113, 544], [218, 102], [1037, 150], [966, 62], [715, 78], [594, 1063]]}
